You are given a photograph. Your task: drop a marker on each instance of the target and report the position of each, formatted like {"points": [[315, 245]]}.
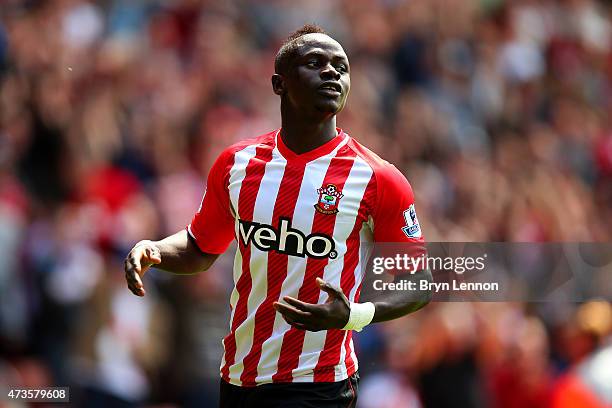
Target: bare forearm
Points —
{"points": [[339, 313], [400, 303], [180, 255]]}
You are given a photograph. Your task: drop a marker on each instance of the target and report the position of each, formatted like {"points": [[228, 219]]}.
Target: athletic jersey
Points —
{"points": [[297, 217]]}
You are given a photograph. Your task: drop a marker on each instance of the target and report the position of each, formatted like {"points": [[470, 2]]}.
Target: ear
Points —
{"points": [[278, 84]]}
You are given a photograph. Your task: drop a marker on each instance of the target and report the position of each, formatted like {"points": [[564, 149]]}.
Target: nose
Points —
{"points": [[329, 72]]}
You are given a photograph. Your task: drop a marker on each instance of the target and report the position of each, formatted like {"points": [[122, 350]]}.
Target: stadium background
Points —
{"points": [[112, 111]]}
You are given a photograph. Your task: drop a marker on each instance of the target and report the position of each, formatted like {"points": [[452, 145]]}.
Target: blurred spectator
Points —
{"points": [[111, 114]]}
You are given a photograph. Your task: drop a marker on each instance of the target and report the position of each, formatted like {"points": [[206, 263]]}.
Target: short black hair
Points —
{"points": [[288, 48]]}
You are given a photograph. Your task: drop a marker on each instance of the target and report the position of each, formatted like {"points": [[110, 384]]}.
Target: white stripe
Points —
{"points": [[365, 247], [236, 275], [353, 355], [262, 212], [234, 295], [238, 172]]}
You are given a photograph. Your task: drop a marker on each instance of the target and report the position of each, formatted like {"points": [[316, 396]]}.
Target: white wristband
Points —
{"points": [[360, 316]]}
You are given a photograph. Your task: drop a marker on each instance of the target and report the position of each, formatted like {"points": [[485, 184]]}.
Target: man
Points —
{"points": [[300, 201]]}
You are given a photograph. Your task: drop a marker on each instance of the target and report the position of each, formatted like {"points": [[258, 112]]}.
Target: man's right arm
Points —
{"points": [[177, 254], [195, 248]]}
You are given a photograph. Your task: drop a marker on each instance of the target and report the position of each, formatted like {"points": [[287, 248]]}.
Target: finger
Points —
{"points": [[152, 255], [140, 260], [293, 323], [133, 285], [303, 326], [130, 271], [133, 271], [286, 317], [133, 277], [303, 306], [329, 289], [134, 259], [138, 291], [139, 284], [299, 326], [294, 313], [292, 309]]}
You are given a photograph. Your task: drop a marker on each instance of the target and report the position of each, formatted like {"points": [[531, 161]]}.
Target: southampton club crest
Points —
{"points": [[329, 198]]}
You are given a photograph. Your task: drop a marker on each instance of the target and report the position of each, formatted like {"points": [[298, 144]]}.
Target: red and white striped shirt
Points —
{"points": [[297, 217]]}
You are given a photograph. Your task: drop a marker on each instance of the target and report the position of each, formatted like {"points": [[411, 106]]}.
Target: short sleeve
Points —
{"points": [[212, 226], [394, 216]]}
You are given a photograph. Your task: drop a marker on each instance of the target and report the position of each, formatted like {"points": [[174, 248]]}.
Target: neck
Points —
{"points": [[302, 134]]}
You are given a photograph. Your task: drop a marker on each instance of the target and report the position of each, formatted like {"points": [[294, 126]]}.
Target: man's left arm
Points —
{"points": [[395, 227], [339, 313], [398, 303]]}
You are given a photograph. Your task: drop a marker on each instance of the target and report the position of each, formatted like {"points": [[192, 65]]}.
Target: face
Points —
{"points": [[317, 78]]}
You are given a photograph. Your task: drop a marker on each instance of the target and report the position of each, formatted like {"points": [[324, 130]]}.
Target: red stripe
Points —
{"points": [[293, 340], [330, 356], [276, 271], [246, 203]]}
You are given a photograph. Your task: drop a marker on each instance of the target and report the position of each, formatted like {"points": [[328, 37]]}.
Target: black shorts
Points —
{"points": [[341, 394]]}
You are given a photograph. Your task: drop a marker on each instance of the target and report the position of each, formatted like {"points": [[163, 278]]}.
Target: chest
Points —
{"points": [[311, 196]]}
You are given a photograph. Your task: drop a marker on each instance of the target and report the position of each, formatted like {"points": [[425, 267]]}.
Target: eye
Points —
{"points": [[342, 68], [313, 63]]}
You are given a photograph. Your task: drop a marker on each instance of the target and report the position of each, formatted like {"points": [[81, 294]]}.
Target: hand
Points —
{"points": [[333, 314], [139, 260]]}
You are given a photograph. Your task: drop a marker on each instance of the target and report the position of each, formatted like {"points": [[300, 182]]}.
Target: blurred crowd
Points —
{"points": [[111, 113]]}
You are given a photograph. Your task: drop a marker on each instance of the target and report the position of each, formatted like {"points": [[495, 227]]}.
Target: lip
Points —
{"points": [[331, 86], [328, 92]]}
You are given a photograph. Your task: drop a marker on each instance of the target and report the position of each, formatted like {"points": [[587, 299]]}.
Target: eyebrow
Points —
{"points": [[319, 53]]}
